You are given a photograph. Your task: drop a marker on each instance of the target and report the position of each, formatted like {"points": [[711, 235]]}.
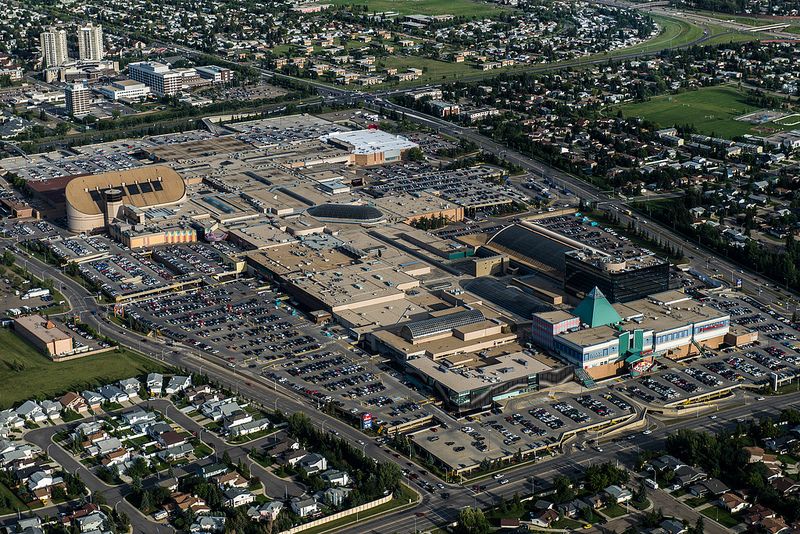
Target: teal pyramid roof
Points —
{"points": [[595, 310]]}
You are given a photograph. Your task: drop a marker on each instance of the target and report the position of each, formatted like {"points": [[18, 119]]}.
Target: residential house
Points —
{"points": [[43, 479], [177, 384], [93, 399], [230, 480], [304, 507], [73, 401], [51, 409], [116, 457], [543, 518], [251, 427], [292, 457], [138, 416], [732, 503], [155, 383], [313, 463], [112, 393], [176, 453], [130, 386], [780, 444], [9, 419], [336, 496], [211, 470], [208, 523], [618, 494], [184, 502], [265, 512], [335, 477], [785, 485], [236, 497], [91, 522], [172, 439], [673, 526], [31, 411]]}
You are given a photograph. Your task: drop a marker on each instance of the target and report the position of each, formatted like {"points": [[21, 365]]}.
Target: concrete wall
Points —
{"points": [[339, 515]]}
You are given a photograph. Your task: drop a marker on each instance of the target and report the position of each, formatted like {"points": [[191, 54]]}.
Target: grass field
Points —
{"points": [[674, 32], [433, 70], [25, 373], [710, 109], [466, 8]]}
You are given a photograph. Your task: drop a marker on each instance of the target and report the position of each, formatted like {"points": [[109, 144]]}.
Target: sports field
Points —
{"points": [[710, 109], [465, 8], [25, 374]]}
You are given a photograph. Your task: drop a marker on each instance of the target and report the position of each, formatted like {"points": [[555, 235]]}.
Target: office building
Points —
{"points": [[158, 77], [125, 90], [621, 279], [77, 97], [54, 46], [215, 74], [90, 42]]}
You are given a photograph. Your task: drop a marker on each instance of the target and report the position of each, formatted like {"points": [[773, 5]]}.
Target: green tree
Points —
{"points": [[472, 521]]}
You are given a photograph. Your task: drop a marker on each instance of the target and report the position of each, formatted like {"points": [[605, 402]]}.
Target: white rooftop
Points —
{"points": [[369, 141]]}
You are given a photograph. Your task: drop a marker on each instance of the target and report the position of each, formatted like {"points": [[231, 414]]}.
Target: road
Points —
{"points": [[114, 495], [433, 509]]}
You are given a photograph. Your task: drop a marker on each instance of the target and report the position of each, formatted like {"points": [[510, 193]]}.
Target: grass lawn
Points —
{"points": [[723, 517], [695, 502], [641, 505], [202, 450], [567, 523], [14, 503], [613, 510], [710, 109], [433, 70], [25, 373], [465, 8]]}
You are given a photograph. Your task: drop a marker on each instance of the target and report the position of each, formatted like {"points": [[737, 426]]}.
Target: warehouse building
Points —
{"points": [[44, 335]]}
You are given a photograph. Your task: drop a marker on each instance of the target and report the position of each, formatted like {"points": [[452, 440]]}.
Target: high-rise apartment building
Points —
{"points": [[77, 96], [90, 42], [54, 46]]}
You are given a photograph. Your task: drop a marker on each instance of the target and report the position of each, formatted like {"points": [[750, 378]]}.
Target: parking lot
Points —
{"points": [[533, 423], [121, 275], [264, 335], [196, 258]]}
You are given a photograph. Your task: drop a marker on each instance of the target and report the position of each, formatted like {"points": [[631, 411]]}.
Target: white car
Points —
{"points": [[498, 476], [504, 482]]}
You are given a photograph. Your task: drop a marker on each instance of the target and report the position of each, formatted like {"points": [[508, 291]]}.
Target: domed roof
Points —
{"points": [[358, 213]]}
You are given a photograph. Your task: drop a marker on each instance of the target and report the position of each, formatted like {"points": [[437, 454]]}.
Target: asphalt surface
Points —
{"points": [[432, 510]]}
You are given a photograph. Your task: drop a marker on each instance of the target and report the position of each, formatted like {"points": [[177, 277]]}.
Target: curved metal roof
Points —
{"points": [[147, 186], [440, 325], [346, 212], [529, 244]]}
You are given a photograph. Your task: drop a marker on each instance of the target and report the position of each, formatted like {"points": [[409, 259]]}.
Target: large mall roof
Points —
{"points": [[152, 185]]}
